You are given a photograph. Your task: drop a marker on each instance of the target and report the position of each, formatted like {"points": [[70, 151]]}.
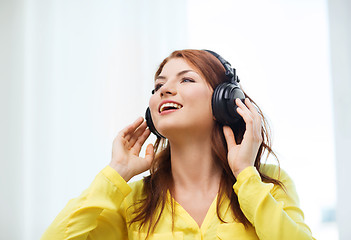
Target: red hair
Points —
{"points": [[160, 181]]}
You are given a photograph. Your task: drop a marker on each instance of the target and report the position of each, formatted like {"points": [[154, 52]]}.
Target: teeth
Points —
{"points": [[175, 105]]}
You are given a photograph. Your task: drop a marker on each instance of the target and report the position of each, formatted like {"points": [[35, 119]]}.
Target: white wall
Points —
{"points": [[11, 115], [340, 39], [280, 49], [73, 73]]}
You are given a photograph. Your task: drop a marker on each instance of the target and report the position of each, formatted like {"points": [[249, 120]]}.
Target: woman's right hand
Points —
{"points": [[126, 148]]}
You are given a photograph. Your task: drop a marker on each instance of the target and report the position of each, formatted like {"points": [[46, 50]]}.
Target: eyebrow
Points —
{"points": [[178, 74]]}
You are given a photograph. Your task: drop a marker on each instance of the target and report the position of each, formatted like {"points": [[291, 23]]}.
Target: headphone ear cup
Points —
{"points": [[150, 123], [223, 103]]}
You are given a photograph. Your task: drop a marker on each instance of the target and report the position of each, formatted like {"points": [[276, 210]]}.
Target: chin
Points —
{"points": [[177, 129], [168, 128]]}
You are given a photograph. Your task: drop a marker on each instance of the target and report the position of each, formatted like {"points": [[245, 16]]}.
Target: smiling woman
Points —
{"points": [[180, 90], [206, 180]]}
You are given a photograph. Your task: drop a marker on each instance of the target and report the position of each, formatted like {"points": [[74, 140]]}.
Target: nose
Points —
{"points": [[167, 89]]}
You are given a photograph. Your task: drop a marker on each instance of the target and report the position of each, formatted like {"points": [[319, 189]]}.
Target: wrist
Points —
{"points": [[122, 171], [236, 171]]}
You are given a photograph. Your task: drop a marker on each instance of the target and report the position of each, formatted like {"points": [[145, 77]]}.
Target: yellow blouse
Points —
{"points": [[104, 209]]}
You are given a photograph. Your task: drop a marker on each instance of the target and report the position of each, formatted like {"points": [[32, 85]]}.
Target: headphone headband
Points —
{"points": [[229, 70]]}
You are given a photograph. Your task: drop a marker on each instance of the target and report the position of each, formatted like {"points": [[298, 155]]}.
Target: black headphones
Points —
{"points": [[223, 99]]}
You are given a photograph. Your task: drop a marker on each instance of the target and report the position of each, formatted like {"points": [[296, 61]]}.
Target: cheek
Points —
{"points": [[201, 100], [153, 104], [205, 96]]}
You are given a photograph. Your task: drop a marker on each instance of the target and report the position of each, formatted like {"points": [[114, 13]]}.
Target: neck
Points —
{"points": [[193, 167]]}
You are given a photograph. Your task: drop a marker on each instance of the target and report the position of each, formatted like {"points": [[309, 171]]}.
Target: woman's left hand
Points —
{"points": [[243, 155]]}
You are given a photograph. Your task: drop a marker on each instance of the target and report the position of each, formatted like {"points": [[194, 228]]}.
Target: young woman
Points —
{"points": [[206, 179]]}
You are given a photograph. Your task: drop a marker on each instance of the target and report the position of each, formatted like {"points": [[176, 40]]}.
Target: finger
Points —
{"points": [[149, 153], [245, 113], [138, 132], [241, 105], [250, 106], [249, 122], [253, 110], [127, 131], [257, 126], [139, 143], [253, 121], [243, 108], [229, 137]]}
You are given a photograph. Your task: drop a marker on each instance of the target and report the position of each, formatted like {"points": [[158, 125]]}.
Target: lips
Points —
{"points": [[169, 106]]}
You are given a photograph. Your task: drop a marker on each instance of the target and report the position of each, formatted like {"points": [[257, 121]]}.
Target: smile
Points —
{"points": [[169, 106]]}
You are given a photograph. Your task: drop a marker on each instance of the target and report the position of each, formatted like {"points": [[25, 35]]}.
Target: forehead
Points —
{"points": [[176, 65]]}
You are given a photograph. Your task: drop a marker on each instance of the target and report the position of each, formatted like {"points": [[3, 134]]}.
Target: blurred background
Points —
{"points": [[73, 73]]}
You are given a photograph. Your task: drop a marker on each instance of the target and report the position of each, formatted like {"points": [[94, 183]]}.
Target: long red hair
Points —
{"points": [[160, 181]]}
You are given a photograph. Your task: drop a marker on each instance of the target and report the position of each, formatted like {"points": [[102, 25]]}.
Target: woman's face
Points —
{"points": [[181, 103]]}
